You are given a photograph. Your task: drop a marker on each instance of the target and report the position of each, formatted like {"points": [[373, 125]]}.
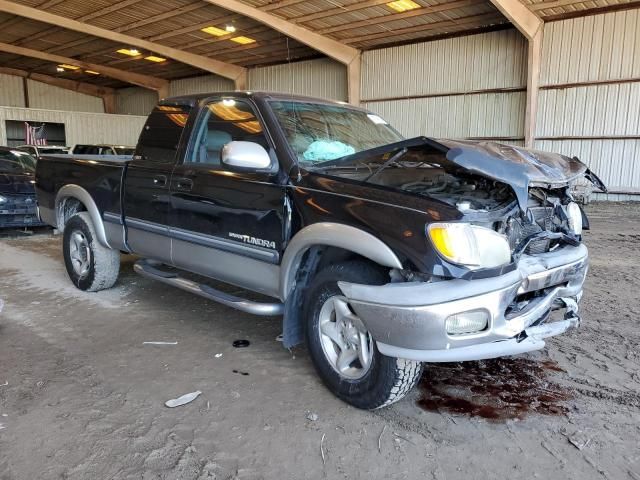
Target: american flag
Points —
{"points": [[34, 135]]}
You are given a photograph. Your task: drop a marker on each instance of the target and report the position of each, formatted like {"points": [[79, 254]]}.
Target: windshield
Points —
{"points": [[319, 133], [14, 161], [124, 150]]}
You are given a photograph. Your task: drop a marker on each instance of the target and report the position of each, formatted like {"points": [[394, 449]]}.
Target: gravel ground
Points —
{"points": [[81, 396]]}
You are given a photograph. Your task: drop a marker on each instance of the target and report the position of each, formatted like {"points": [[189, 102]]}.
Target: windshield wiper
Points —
{"points": [[394, 158]]}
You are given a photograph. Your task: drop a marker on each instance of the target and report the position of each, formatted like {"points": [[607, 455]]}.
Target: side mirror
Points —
{"points": [[245, 156]]}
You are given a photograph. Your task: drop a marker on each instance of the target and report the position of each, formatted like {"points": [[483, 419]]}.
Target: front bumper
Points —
{"points": [[407, 320]]}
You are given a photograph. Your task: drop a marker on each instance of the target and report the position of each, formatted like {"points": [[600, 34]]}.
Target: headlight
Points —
{"points": [[470, 245], [3, 199], [574, 214]]}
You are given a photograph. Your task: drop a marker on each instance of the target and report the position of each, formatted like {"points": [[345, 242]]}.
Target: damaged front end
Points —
{"points": [[515, 252]]}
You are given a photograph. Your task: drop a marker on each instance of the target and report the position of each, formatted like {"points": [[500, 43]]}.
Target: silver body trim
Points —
{"points": [[332, 235], [231, 246], [76, 191], [239, 270], [412, 316]]}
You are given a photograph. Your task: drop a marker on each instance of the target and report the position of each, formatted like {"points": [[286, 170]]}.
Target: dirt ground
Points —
{"points": [[81, 396]]}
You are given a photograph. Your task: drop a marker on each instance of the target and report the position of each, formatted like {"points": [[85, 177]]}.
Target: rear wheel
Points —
{"points": [[343, 351], [90, 265]]}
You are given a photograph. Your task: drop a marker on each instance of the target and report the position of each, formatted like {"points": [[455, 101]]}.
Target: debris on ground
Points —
{"points": [[312, 416], [4, 384], [380, 438], [183, 400], [322, 448], [279, 338], [241, 343], [403, 438], [578, 439], [159, 343], [218, 355], [241, 373]]}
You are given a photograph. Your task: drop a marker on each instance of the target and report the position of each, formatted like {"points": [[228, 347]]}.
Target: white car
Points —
{"points": [[39, 150]]}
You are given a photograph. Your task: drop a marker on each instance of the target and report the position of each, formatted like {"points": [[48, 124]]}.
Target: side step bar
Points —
{"points": [[149, 270]]}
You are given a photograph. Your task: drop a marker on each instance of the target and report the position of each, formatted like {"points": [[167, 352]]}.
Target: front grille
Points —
{"points": [[544, 217], [19, 201], [543, 220]]}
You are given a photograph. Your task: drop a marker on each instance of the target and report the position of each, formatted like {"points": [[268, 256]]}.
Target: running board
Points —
{"points": [[146, 269]]}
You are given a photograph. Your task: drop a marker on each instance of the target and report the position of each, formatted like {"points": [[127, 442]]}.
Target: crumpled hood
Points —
{"points": [[518, 167], [17, 183]]}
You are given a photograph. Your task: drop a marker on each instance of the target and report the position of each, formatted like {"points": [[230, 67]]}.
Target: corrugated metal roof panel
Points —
{"points": [[323, 78], [597, 47], [481, 115], [475, 62], [11, 91], [50, 97], [80, 127]]}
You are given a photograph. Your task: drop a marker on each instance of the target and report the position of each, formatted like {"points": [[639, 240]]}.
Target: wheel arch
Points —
{"points": [[328, 234], [304, 257], [64, 210]]}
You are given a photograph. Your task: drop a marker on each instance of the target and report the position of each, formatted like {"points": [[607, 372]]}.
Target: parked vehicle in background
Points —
{"points": [[381, 252], [39, 150], [115, 150], [17, 189]]}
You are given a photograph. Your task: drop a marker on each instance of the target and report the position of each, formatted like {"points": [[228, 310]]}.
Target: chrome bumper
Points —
{"points": [[407, 320]]}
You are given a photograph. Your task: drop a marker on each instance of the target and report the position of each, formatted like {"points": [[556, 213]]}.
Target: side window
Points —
{"points": [[161, 134], [224, 121]]}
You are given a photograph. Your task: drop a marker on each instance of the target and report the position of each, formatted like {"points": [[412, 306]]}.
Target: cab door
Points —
{"points": [[146, 200], [226, 224]]}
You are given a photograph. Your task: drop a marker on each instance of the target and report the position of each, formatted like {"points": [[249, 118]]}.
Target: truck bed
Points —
{"points": [[102, 179]]}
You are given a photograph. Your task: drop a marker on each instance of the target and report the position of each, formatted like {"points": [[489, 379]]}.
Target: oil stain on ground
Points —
{"points": [[497, 390]]}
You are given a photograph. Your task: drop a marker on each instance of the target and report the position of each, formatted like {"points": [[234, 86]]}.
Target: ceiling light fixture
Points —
{"points": [[230, 28], [59, 69], [403, 5], [66, 66], [92, 72], [132, 52], [153, 58], [215, 31], [242, 40]]}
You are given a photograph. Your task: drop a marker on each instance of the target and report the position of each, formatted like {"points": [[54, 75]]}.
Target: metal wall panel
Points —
{"points": [[324, 78], [80, 127], [481, 115], [614, 161], [11, 91], [595, 110], [135, 101], [49, 97], [460, 64], [203, 84], [597, 47]]}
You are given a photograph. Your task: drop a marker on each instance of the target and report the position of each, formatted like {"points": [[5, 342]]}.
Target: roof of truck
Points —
{"points": [[194, 98]]}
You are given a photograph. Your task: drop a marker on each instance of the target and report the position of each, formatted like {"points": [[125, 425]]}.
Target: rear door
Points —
{"points": [[148, 179], [227, 224]]}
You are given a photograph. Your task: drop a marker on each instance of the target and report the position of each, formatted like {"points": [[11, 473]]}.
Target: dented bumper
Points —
{"points": [[408, 320]]}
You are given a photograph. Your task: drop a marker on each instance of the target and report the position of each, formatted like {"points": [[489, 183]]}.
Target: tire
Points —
{"points": [[90, 265], [384, 380]]}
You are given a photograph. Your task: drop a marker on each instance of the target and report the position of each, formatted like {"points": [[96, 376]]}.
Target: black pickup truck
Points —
{"points": [[381, 252]]}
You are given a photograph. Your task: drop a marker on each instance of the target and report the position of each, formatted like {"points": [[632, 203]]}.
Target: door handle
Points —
{"points": [[184, 184], [160, 180]]}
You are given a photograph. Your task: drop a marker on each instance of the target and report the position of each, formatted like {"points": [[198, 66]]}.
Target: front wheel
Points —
{"points": [[343, 351], [90, 265]]}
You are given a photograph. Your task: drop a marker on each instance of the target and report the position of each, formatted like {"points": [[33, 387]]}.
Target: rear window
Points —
{"points": [[161, 134]]}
